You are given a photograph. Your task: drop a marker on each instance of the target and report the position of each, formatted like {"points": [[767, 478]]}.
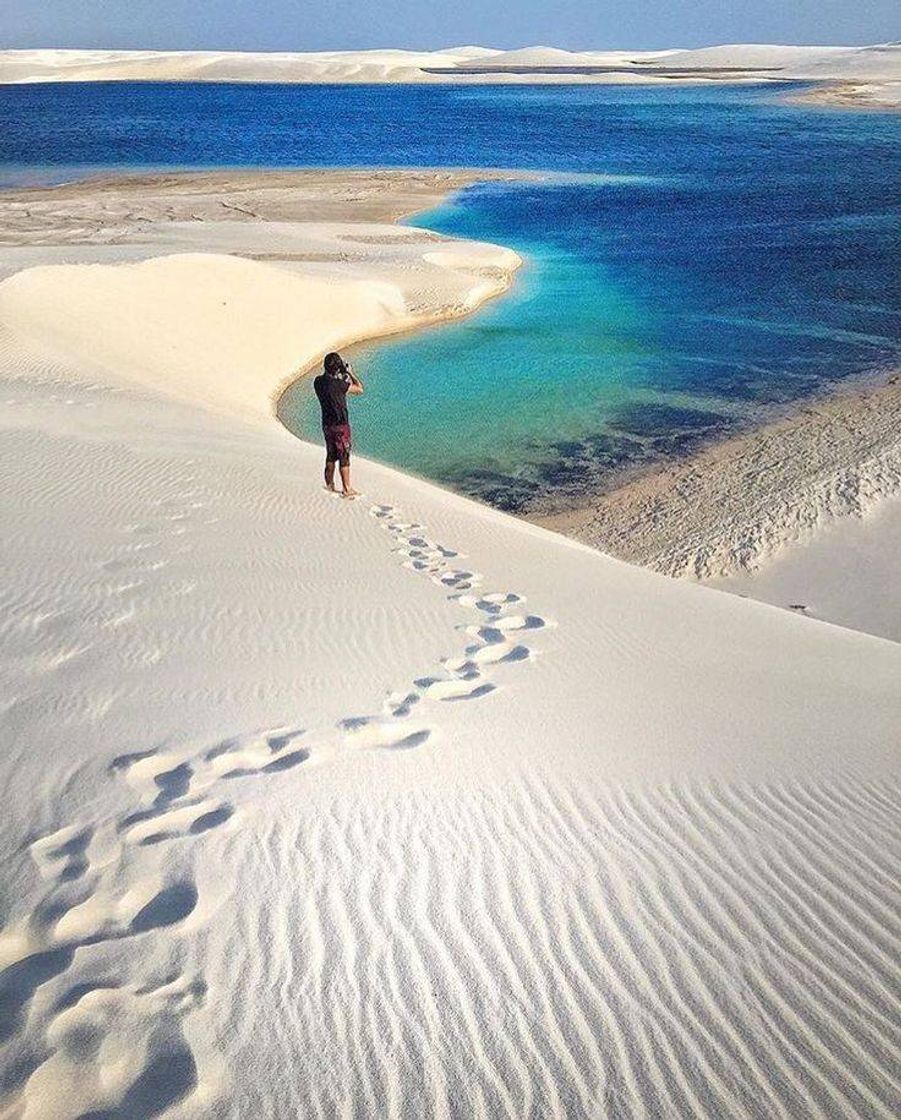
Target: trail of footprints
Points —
{"points": [[100, 894], [101, 898], [498, 636]]}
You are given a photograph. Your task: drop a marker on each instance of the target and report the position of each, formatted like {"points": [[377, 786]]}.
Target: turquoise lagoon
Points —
{"points": [[696, 258]]}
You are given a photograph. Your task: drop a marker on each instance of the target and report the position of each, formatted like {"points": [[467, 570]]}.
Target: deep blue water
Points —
{"points": [[720, 253]]}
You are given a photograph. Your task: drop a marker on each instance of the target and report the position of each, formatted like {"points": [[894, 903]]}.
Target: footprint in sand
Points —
{"points": [[170, 906], [435, 555], [382, 732], [160, 775], [62, 856], [496, 629], [86, 906], [508, 622], [97, 917], [173, 786], [104, 915], [500, 610], [20, 981], [468, 687], [400, 704], [153, 826], [497, 653], [268, 753], [491, 604], [458, 580], [116, 1050], [166, 777]]}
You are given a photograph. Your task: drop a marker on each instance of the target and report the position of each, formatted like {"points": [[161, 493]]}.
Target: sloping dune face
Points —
{"points": [[222, 316], [398, 807]]}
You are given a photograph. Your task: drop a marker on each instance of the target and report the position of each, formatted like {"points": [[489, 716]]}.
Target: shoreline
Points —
{"points": [[506, 278], [862, 94], [395, 201], [332, 220], [656, 520], [731, 506]]}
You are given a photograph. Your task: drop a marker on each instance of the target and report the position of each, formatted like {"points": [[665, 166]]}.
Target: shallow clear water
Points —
{"points": [[717, 253]]}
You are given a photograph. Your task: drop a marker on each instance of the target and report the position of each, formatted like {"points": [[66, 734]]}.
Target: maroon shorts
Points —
{"points": [[337, 443]]}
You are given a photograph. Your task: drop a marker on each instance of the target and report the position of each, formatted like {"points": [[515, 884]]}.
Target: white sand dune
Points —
{"points": [[880, 63], [178, 302], [754, 55], [472, 51], [549, 56], [317, 66], [862, 76], [398, 807]]}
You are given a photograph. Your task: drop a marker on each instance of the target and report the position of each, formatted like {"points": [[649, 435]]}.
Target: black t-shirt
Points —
{"points": [[332, 394]]}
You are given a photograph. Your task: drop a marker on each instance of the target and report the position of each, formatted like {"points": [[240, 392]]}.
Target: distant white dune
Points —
{"points": [[799, 62], [883, 62], [542, 56], [745, 55], [319, 66], [472, 52], [744, 61]]}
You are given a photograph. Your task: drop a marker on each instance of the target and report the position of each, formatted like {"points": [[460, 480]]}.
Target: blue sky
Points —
{"points": [[353, 24]]}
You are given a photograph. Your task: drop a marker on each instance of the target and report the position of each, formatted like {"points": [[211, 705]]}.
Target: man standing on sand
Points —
{"points": [[333, 386]]}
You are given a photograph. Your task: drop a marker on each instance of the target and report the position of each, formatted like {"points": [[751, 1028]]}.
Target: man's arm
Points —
{"points": [[356, 385]]}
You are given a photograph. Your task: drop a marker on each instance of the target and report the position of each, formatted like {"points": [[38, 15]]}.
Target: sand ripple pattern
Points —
{"points": [[78, 1038], [696, 951], [716, 951]]}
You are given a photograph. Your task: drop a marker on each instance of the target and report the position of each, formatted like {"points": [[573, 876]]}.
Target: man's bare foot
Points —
{"points": [[331, 489], [350, 494]]}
